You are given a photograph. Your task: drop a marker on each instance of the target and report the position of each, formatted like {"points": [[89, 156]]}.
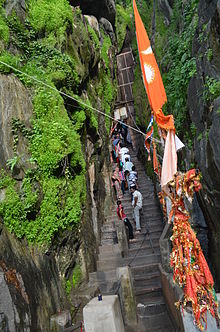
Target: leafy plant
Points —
{"points": [[11, 163], [212, 89], [50, 18]]}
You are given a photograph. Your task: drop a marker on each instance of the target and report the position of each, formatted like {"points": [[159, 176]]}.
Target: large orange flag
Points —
{"points": [[151, 75]]}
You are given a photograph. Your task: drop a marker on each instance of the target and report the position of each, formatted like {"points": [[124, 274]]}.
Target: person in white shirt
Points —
{"points": [[137, 206], [127, 165], [124, 154]]}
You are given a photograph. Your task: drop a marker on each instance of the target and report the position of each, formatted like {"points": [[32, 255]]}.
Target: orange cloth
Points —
{"points": [[169, 166], [164, 121], [151, 75]]}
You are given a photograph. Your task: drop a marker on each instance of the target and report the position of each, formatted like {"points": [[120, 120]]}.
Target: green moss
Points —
{"points": [[68, 287], [77, 276], [10, 59], [51, 196], [4, 29], [53, 135], [94, 37], [106, 44], [51, 18], [123, 20], [60, 207]]}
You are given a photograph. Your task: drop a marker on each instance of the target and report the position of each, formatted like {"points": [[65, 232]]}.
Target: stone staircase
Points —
{"points": [[143, 257]]}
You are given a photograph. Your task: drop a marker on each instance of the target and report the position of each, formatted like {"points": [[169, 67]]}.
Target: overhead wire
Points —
{"points": [[71, 97]]}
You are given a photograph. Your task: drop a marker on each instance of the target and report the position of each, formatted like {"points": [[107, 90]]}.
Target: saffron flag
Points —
{"points": [[151, 75]]}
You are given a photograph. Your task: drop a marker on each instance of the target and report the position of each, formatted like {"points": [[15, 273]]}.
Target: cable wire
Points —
{"points": [[70, 97]]}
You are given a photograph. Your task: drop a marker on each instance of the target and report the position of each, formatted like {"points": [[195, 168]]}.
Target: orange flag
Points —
{"points": [[151, 75]]}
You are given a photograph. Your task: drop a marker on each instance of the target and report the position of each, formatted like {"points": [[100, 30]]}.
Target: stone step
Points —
{"points": [[149, 225], [108, 287], [159, 322], [114, 249], [153, 307], [105, 242], [144, 259], [139, 237], [153, 233], [145, 209], [134, 245], [144, 294], [109, 235], [143, 251], [109, 264], [144, 269], [106, 232], [100, 276], [108, 255], [147, 280], [151, 286], [108, 227], [151, 208]]}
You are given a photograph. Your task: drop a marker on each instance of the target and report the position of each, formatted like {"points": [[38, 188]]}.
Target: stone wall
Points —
{"points": [[204, 115]]}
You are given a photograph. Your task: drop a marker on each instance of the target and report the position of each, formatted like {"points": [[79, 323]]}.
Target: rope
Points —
{"points": [[70, 97]]}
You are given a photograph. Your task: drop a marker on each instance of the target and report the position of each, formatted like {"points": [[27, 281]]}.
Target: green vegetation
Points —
{"points": [[105, 48], [77, 276], [123, 20], [142, 108], [182, 66], [50, 18], [212, 89], [53, 191], [74, 282], [4, 29]]}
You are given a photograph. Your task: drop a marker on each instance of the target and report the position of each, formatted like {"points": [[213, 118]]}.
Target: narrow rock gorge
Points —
{"points": [[55, 177]]}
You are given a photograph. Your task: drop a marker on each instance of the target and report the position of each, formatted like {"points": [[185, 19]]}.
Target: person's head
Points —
{"points": [[118, 202], [133, 168], [133, 188], [126, 159], [127, 172]]}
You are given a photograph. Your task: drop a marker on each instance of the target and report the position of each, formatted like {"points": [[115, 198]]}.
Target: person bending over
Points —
{"points": [[122, 216]]}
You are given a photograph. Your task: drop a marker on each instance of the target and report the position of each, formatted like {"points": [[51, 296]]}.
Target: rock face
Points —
{"points": [[18, 6], [32, 280], [98, 8], [204, 113], [15, 110], [166, 9], [29, 286]]}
